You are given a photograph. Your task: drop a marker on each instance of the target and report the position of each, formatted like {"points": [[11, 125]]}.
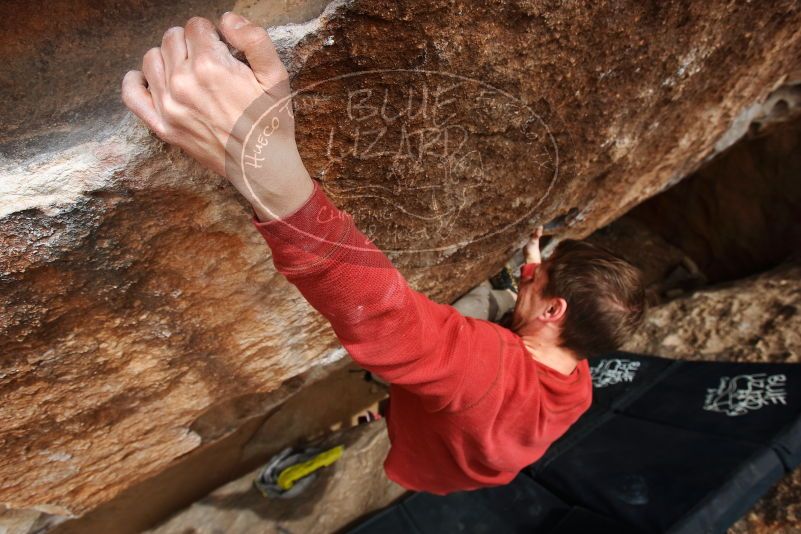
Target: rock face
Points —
{"points": [[752, 320], [352, 487], [136, 297]]}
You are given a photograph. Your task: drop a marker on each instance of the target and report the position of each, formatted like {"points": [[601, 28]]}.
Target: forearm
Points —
{"points": [[279, 196]]}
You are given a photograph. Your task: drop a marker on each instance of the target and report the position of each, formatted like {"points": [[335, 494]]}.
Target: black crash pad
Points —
{"points": [[742, 401], [667, 446], [523, 505]]}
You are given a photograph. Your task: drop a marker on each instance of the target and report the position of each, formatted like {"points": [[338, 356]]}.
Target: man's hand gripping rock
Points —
{"points": [[532, 248], [233, 118]]}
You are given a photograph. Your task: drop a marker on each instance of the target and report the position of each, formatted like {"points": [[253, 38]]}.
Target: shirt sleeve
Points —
{"points": [[387, 327], [527, 270]]}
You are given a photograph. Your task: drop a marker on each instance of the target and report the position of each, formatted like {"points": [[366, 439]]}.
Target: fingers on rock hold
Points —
{"points": [[137, 98], [173, 48], [257, 46], [201, 36]]}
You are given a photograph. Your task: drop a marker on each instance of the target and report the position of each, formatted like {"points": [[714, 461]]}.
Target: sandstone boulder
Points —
{"points": [[136, 297]]}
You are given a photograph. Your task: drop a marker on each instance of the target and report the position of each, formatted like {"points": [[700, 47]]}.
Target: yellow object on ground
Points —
{"points": [[293, 473]]}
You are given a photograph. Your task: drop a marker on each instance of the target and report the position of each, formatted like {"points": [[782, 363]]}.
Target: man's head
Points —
{"points": [[583, 298]]}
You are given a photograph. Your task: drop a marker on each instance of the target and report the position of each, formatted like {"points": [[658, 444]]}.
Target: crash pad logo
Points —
{"points": [[613, 371], [424, 161], [740, 394]]}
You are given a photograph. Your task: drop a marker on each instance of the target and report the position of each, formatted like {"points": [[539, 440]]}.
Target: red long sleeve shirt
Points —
{"points": [[469, 406]]}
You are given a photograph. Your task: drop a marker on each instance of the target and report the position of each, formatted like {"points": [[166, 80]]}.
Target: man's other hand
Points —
{"points": [[532, 249], [191, 92]]}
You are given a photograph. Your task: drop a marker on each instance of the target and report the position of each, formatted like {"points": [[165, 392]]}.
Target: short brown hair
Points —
{"points": [[604, 293]]}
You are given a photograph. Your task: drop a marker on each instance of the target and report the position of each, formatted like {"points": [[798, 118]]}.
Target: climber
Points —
{"points": [[471, 402]]}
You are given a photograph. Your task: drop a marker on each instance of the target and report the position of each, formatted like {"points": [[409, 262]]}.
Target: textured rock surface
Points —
{"points": [[302, 411], [753, 320], [354, 486], [135, 296]]}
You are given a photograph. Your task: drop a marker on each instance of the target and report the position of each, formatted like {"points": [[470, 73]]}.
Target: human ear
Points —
{"points": [[555, 310]]}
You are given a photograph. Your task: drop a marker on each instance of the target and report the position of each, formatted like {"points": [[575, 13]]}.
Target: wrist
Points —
{"points": [[280, 202]]}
